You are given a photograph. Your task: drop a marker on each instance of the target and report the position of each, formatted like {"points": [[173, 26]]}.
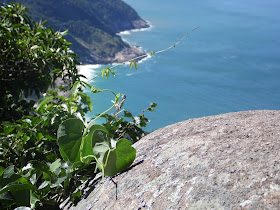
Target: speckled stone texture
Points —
{"points": [[228, 161]]}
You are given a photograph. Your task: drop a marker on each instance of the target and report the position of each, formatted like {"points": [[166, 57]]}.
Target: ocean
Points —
{"points": [[231, 63]]}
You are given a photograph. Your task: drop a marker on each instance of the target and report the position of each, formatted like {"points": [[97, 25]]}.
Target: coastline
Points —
{"points": [[126, 53], [132, 51]]}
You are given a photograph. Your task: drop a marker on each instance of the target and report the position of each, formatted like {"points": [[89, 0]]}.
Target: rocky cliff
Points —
{"points": [[93, 26], [228, 161]]}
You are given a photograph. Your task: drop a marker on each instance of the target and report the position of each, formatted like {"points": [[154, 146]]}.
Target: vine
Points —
{"points": [[48, 150]]}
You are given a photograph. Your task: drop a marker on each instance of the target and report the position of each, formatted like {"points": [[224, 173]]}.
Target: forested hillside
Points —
{"points": [[92, 25]]}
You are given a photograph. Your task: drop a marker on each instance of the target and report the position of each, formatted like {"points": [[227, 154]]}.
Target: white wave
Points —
{"points": [[128, 32], [89, 71], [145, 59], [124, 33]]}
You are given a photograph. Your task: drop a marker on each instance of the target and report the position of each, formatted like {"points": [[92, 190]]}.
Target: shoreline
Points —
{"points": [[132, 51], [126, 53]]}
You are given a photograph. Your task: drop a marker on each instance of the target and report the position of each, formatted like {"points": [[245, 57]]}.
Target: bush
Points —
{"points": [[32, 57], [48, 149]]}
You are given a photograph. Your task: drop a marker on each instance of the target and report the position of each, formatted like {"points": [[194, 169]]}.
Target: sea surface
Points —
{"points": [[231, 63]]}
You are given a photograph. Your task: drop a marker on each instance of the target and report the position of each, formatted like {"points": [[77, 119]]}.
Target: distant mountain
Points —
{"points": [[92, 25]]}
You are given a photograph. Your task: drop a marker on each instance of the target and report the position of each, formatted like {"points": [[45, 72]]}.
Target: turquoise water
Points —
{"points": [[231, 63]]}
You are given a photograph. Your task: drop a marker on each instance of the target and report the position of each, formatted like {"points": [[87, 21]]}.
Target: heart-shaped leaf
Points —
{"points": [[120, 158], [69, 137], [101, 143], [87, 145]]}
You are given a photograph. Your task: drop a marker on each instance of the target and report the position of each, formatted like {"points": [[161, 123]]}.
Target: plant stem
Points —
{"points": [[91, 122], [146, 55]]}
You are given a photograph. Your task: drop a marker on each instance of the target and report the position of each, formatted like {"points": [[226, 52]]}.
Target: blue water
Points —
{"points": [[231, 63]]}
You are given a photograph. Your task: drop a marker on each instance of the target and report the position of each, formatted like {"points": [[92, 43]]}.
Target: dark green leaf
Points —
{"points": [[120, 158], [43, 102], [55, 166], [69, 137], [127, 114], [9, 172], [8, 130], [86, 100], [78, 193], [17, 187], [101, 143], [1, 170], [75, 88], [59, 181]]}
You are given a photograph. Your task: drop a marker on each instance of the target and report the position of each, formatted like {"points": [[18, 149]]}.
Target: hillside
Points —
{"points": [[92, 25]]}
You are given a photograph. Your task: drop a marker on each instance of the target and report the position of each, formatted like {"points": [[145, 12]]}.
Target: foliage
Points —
{"points": [[48, 150], [92, 24], [118, 127], [32, 57]]}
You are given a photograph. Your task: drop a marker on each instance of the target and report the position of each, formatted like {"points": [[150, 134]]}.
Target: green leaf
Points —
{"points": [[1, 170], [34, 47], [135, 65], [39, 136], [101, 143], [8, 172], [112, 72], [86, 100], [33, 200], [93, 89], [127, 114], [22, 196], [8, 176], [40, 166], [120, 158], [59, 181], [55, 166], [117, 97], [43, 102], [43, 185], [8, 130], [6, 196], [154, 105], [77, 194], [56, 70], [86, 147], [106, 72], [75, 89], [64, 33], [69, 137], [17, 187]]}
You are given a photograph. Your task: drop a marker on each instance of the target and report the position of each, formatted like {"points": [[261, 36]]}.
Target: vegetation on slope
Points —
{"points": [[48, 149], [92, 24]]}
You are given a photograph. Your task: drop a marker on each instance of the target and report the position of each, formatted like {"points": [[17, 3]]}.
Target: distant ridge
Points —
{"points": [[93, 26]]}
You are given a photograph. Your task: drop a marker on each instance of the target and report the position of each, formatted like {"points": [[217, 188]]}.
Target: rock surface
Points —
{"points": [[228, 161]]}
